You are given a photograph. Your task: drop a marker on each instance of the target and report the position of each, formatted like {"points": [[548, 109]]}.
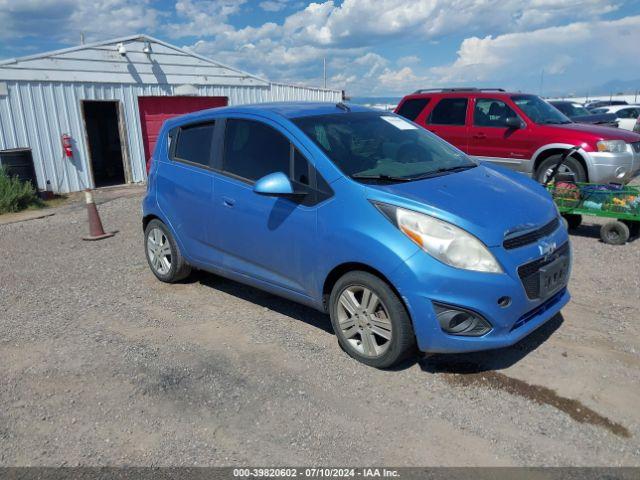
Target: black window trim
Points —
{"points": [[174, 134], [466, 112], [473, 113]]}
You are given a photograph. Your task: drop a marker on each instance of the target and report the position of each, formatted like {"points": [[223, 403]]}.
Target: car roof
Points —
{"points": [[464, 93], [287, 110], [615, 108]]}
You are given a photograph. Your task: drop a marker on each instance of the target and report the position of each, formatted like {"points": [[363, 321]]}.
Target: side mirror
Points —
{"points": [[514, 122], [276, 184]]}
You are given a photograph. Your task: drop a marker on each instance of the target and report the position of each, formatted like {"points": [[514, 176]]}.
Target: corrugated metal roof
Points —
{"points": [[147, 60]]}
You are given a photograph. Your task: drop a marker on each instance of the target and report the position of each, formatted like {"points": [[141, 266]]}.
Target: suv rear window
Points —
{"points": [[410, 109], [449, 111]]}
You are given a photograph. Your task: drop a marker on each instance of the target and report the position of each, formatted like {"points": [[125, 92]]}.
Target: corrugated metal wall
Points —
{"points": [[36, 114]]}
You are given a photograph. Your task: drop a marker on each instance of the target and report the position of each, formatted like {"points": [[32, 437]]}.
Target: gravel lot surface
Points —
{"points": [[101, 364]]}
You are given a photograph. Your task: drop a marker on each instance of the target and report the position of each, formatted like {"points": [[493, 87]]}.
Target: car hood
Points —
{"points": [[595, 118], [603, 133], [487, 201]]}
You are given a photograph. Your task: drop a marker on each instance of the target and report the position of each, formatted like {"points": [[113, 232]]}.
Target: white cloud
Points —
{"points": [[63, 20], [578, 51], [507, 41], [273, 5]]}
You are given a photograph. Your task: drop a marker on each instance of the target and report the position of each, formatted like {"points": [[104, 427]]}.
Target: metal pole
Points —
{"points": [[324, 70]]}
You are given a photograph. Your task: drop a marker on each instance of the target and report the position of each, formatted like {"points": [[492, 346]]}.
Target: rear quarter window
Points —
{"points": [[411, 108]]}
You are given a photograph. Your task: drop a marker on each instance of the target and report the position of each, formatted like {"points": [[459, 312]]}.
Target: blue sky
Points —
{"points": [[372, 47]]}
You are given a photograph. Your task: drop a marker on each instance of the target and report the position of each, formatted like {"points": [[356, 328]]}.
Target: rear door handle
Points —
{"points": [[228, 202]]}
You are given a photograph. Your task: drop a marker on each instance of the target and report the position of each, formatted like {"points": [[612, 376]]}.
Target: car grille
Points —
{"points": [[636, 147], [528, 272], [531, 236]]}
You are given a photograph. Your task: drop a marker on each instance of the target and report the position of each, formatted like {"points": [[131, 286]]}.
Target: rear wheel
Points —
{"points": [[614, 233], [163, 256], [573, 220], [570, 166], [370, 321]]}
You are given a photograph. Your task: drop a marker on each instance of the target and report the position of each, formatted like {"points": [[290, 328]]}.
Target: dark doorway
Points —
{"points": [[105, 147]]}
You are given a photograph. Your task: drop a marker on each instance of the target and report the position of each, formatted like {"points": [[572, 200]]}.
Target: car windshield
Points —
{"points": [[538, 110], [572, 109], [382, 146]]}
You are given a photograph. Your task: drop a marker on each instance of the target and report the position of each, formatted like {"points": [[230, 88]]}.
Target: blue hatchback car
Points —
{"points": [[404, 240]]}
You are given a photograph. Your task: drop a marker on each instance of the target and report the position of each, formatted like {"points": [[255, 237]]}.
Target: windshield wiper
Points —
{"points": [[384, 177], [443, 171]]}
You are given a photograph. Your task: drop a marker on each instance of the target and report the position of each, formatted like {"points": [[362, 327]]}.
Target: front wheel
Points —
{"points": [[570, 166], [370, 321]]}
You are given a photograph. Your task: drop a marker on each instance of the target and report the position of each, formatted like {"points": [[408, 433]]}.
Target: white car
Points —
{"points": [[626, 115]]}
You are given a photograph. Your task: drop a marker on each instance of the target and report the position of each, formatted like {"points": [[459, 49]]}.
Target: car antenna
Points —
{"points": [[343, 106]]}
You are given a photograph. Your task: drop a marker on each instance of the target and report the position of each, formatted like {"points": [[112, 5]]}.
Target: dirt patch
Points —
{"points": [[539, 394]]}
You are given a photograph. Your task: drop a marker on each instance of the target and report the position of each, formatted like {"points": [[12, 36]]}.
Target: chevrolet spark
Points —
{"points": [[400, 237]]}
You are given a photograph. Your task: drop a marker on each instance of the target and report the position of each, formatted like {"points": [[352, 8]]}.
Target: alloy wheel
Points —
{"points": [[159, 251], [364, 321]]}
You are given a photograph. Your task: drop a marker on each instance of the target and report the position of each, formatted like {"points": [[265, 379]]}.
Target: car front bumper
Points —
{"points": [[421, 280], [605, 167]]}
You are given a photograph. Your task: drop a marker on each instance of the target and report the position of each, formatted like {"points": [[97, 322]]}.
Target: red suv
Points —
{"points": [[523, 132]]}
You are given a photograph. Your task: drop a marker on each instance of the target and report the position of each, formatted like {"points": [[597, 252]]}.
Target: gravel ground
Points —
{"points": [[101, 364]]}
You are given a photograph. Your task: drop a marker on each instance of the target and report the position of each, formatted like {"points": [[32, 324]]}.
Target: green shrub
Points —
{"points": [[16, 195]]}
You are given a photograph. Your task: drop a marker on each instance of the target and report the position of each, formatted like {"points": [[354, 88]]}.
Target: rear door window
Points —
{"points": [[193, 144], [411, 108], [449, 111]]}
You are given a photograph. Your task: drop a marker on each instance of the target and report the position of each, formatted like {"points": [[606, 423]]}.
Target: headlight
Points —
{"points": [[612, 146], [442, 240]]}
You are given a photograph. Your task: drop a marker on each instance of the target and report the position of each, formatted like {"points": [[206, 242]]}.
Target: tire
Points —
{"points": [[570, 165], [573, 220], [159, 244], [614, 233], [385, 318]]}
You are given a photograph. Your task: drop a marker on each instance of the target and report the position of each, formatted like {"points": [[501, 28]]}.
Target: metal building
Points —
{"points": [[91, 113]]}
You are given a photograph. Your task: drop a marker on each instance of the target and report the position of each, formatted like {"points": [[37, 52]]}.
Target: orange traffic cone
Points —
{"points": [[96, 232]]}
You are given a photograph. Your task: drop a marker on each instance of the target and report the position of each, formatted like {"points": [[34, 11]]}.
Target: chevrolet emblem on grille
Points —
{"points": [[547, 248]]}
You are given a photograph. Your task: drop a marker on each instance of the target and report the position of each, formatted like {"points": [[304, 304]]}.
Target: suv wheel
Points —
{"points": [[570, 166], [164, 258], [370, 321]]}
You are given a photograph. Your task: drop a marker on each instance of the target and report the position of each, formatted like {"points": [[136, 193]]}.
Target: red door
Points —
{"points": [[155, 110], [493, 140]]}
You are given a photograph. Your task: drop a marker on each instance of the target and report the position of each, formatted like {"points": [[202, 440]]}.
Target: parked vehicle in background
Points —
{"points": [[400, 237], [577, 113], [524, 133], [636, 127], [626, 115], [604, 103]]}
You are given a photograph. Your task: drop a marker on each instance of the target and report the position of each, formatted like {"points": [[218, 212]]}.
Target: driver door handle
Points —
{"points": [[479, 136], [228, 202]]}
